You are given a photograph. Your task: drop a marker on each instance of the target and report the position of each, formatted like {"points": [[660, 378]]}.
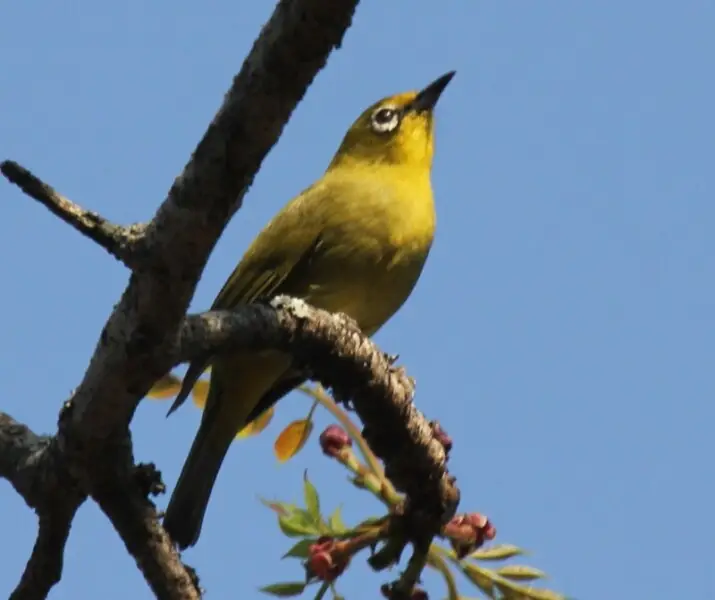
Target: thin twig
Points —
{"points": [[20, 451], [436, 561], [119, 241], [331, 406], [44, 569]]}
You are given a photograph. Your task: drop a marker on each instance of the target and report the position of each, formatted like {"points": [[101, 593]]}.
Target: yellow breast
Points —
{"points": [[377, 232]]}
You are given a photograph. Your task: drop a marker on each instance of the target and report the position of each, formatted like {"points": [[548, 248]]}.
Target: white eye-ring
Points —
{"points": [[385, 119]]}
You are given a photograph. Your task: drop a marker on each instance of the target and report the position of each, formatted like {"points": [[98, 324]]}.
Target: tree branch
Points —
{"points": [[33, 465], [132, 351], [19, 449], [167, 257], [44, 569], [120, 242], [121, 491], [335, 352]]}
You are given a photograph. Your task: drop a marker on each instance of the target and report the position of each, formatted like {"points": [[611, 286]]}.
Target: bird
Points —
{"points": [[354, 242]]}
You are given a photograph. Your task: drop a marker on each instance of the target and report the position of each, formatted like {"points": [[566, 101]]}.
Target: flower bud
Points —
{"points": [[468, 532], [324, 563], [334, 439]]}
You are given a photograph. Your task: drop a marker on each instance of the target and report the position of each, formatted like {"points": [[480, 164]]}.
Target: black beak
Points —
{"points": [[427, 98]]}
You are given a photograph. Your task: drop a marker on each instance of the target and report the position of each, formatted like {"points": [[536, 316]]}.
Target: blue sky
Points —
{"points": [[563, 331]]}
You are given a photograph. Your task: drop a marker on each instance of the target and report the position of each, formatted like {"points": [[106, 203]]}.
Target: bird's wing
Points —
{"points": [[263, 275], [274, 264], [292, 283]]}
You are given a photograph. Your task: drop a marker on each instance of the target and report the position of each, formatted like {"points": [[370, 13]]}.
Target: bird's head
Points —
{"points": [[396, 130]]}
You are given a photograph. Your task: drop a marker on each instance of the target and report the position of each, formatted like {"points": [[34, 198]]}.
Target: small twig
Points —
{"points": [[119, 241], [436, 561], [411, 575], [337, 443], [331, 406], [21, 450], [44, 569]]}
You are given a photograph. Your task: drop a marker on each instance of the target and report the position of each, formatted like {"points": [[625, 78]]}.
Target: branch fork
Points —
{"points": [[148, 332]]}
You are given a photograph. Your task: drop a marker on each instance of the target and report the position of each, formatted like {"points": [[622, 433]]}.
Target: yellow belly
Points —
{"points": [[369, 294]]}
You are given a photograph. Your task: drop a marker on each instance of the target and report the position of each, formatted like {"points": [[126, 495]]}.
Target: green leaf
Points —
{"points": [[284, 590], [497, 552], [335, 522], [539, 594], [308, 520], [475, 575], [520, 573], [312, 502], [512, 591], [509, 594], [295, 525], [301, 549]]}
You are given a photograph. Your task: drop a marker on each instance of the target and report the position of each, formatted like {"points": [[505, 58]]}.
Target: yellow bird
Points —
{"points": [[354, 242]]}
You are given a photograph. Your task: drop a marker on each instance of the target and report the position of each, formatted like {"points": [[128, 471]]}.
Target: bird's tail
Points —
{"points": [[237, 385], [187, 506]]}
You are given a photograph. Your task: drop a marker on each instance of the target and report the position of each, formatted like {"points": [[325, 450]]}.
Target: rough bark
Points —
{"points": [[148, 332]]}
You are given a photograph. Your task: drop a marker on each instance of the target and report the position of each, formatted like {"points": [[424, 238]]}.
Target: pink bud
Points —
{"points": [[334, 439], [468, 532], [320, 565], [324, 563]]}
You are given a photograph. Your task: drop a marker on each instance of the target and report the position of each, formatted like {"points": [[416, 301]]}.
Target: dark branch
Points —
{"points": [[167, 257], [132, 352], [20, 450], [341, 357], [119, 241], [44, 569], [33, 465], [121, 491]]}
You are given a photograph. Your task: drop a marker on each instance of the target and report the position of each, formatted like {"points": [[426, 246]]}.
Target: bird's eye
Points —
{"points": [[385, 119]]}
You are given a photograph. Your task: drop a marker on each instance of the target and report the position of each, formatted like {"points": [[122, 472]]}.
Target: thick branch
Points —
{"points": [[132, 351], [38, 469], [119, 241], [169, 254], [341, 357], [167, 258], [122, 494]]}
